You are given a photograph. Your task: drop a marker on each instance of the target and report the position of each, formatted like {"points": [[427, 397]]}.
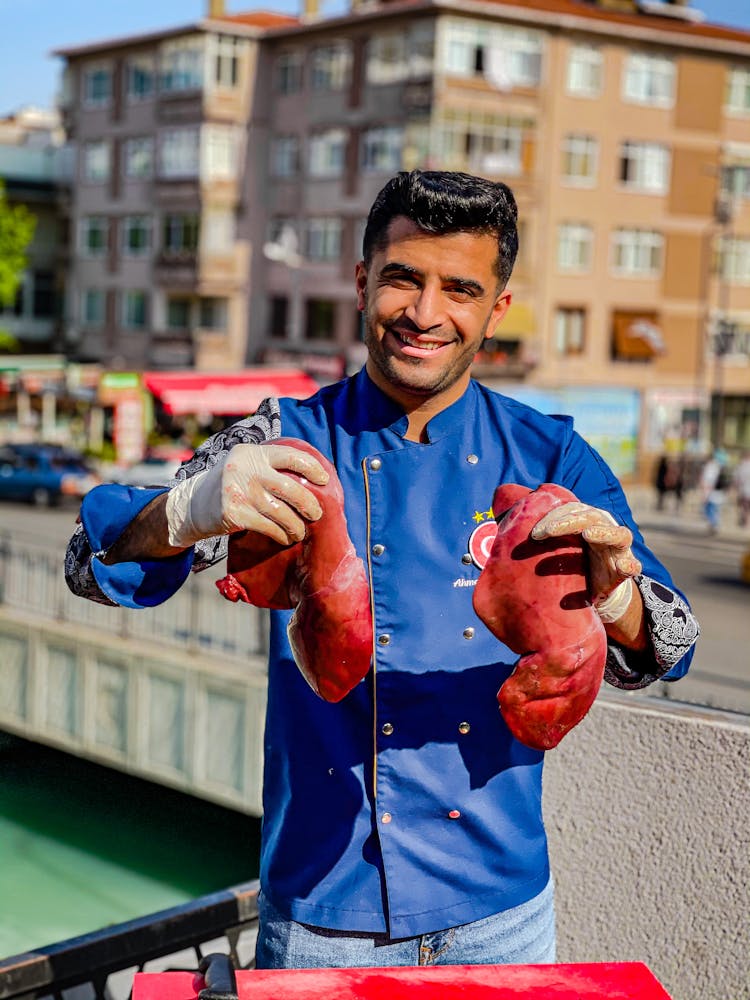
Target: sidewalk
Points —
{"points": [[689, 520]]}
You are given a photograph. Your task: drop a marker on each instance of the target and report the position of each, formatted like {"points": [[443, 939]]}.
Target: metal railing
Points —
{"points": [[196, 618], [101, 965]]}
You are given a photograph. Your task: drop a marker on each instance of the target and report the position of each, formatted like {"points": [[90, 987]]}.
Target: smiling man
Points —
{"points": [[403, 824]]}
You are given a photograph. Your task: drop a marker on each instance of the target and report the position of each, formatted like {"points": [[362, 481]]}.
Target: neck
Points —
{"points": [[419, 408]]}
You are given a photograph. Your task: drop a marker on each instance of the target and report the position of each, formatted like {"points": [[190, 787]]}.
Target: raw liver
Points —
{"points": [[322, 578], [533, 597]]}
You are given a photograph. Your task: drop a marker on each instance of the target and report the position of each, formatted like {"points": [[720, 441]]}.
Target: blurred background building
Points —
{"points": [[224, 170]]}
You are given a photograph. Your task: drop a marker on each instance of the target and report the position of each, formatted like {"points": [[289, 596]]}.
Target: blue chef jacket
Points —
{"points": [[408, 807]]}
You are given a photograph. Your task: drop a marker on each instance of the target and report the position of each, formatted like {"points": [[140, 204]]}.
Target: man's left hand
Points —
{"points": [[611, 560]]}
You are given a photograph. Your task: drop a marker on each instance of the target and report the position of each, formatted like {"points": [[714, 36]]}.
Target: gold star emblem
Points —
{"points": [[478, 516], [489, 515]]}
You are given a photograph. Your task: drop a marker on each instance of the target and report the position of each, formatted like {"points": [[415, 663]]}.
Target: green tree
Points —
{"points": [[17, 225]]}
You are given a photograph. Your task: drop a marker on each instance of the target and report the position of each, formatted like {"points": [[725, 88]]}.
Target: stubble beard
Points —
{"points": [[411, 375]]}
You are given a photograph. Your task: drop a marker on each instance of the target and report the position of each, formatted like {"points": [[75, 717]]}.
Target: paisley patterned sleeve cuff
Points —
{"points": [[673, 630], [264, 425]]}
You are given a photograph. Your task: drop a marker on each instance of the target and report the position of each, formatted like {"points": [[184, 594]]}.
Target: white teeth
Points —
{"points": [[432, 345]]}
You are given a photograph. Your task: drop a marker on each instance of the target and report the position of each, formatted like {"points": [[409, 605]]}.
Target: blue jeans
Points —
{"points": [[524, 935]]}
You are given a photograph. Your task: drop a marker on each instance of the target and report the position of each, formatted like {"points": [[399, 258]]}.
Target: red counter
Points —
{"points": [[614, 981]]}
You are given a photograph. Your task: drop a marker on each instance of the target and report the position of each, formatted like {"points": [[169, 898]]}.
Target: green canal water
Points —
{"points": [[82, 846]]}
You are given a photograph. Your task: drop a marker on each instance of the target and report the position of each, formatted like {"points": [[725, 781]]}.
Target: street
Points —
{"points": [[705, 568]]}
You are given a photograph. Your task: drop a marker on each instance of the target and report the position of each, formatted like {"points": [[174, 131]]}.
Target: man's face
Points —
{"points": [[428, 302]]}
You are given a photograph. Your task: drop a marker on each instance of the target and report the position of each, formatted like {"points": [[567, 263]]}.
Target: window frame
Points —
{"points": [[639, 243], [644, 157], [649, 80], [575, 247]]}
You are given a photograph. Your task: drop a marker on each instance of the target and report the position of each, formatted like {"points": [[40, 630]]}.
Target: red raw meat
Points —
{"points": [[322, 578], [533, 597]]}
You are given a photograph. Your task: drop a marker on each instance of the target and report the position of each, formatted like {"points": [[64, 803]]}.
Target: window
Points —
{"points": [[94, 234], [180, 233], [288, 72], [326, 153], [480, 142], [319, 319], [323, 238], [644, 166], [134, 306], [96, 160], [136, 235], [219, 152], [580, 158], [139, 157], [182, 64], [648, 80], [179, 153], [97, 87], [585, 73], [218, 230], [92, 307], [44, 302], [277, 316], [738, 91], [386, 59], [575, 246], [140, 73], [213, 314], [227, 52], [637, 253], [381, 149], [178, 313], [570, 330], [330, 66], [508, 57], [735, 260], [735, 181], [285, 156]]}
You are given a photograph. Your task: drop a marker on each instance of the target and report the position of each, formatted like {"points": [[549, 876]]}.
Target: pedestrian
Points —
{"points": [[714, 483], [669, 478], [403, 824], [741, 482]]}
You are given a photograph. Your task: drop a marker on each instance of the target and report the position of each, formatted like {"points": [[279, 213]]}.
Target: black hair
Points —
{"points": [[442, 202]]}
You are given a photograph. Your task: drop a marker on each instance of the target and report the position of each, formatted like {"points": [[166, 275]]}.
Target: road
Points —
{"points": [[704, 567]]}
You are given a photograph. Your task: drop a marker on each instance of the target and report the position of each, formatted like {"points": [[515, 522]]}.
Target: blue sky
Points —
{"points": [[31, 29]]}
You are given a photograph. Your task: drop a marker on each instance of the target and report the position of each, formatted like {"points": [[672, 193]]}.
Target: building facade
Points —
{"points": [[226, 169]]}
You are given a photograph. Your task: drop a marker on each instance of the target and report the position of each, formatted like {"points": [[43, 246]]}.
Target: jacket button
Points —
{"points": [[375, 464], [454, 814], [469, 633], [464, 728], [378, 549], [466, 558], [384, 639], [387, 729], [472, 459], [386, 818]]}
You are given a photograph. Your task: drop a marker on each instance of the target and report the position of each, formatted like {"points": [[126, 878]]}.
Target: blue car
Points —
{"points": [[43, 474]]}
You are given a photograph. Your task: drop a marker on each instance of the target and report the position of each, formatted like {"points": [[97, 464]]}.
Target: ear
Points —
{"points": [[360, 281], [500, 308]]}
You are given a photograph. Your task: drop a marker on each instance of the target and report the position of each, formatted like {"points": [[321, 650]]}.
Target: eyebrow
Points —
{"points": [[395, 268]]}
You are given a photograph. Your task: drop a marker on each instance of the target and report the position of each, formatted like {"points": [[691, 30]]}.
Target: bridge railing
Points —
{"points": [[196, 617], [101, 965]]}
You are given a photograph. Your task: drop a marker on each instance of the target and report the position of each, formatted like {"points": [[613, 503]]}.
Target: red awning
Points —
{"points": [[226, 393]]}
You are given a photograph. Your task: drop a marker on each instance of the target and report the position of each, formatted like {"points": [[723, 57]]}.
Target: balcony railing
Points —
{"points": [[101, 965]]}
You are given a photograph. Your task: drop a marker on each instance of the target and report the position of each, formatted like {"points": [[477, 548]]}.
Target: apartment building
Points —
{"points": [[226, 169]]}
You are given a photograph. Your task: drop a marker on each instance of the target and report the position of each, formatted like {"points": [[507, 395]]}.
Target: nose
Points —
{"points": [[427, 310]]}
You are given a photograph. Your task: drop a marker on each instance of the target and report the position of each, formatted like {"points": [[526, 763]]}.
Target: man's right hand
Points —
{"points": [[248, 489]]}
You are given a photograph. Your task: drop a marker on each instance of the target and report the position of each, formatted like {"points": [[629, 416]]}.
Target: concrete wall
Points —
{"points": [[648, 814]]}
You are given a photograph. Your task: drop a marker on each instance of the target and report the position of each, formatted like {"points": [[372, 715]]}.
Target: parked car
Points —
{"points": [[156, 468], [43, 474]]}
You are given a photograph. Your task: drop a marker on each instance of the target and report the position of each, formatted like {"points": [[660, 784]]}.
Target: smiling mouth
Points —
{"points": [[418, 341]]}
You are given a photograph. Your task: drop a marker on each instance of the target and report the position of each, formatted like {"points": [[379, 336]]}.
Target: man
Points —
{"points": [[403, 824]]}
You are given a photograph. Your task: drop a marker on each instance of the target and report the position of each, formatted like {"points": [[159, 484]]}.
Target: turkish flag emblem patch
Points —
{"points": [[481, 541]]}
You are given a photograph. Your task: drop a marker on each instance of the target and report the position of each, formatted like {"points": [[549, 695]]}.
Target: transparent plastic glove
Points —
{"points": [[247, 489], [612, 564]]}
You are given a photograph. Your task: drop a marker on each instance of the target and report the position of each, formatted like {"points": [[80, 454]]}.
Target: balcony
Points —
{"points": [[177, 269]]}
